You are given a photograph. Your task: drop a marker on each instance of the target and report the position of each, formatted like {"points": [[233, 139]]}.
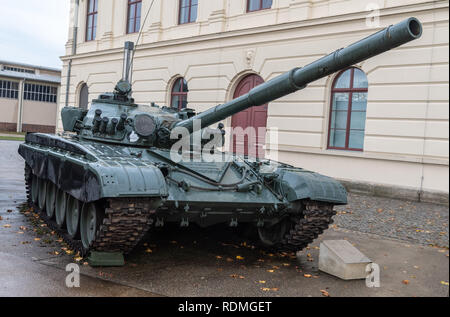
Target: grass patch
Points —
{"points": [[12, 138]]}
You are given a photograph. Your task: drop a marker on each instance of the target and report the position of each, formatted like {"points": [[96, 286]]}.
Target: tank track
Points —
{"points": [[125, 223], [317, 217]]}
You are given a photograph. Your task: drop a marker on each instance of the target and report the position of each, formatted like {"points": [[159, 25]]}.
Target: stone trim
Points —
{"points": [[12, 127], [396, 192], [8, 127]]}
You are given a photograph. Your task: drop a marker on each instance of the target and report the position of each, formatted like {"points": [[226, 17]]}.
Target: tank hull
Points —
{"points": [[91, 171]]}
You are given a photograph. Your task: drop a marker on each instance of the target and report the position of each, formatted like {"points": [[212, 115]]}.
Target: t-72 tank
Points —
{"points": [[127, 168]]}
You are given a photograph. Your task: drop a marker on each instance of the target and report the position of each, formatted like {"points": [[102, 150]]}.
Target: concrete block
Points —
{"points": [[341, 259]]}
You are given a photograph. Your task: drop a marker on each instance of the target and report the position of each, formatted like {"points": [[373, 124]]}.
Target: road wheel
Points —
{"points": [[89, 223], [273, 235], [60, 208], [50, 200], [34, 189], [42, 193], [73, 210]]}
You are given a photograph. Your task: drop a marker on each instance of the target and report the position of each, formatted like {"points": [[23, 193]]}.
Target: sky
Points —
{"points": [[34, 31]]}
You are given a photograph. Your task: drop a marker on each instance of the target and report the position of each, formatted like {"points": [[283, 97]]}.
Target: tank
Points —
{"points": [[121, 169]]}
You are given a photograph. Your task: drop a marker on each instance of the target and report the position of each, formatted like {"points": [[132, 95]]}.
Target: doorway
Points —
{"points": [[250, 144]]}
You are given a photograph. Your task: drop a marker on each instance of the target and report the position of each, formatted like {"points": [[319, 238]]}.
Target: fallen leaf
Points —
{"points": [[218, 257], [444, 283], [239, 257], [286, 264], [275, 267], [234, 276], [229, 260], [406, 282], [69, 252], [265, 289], [148, 250], [325, 293], [78, 259], [1, 218], [270, 271], [9, 210], [20, 232], [380, 210], [37, 239], [262, 282], [241, 277], [307, 275], [7, 226]]}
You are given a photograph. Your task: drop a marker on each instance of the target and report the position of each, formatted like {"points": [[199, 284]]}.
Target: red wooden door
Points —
{"points": [[252, 143]]}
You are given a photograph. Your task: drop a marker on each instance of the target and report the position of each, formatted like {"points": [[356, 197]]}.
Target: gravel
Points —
{"points": [[421, 223]]}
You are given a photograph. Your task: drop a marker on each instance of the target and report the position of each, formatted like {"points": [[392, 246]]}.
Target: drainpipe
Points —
{"points": [[20, 110], [74, 48]]}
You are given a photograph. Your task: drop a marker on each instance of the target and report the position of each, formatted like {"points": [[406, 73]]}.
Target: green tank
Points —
{"points": [[122, 169]]}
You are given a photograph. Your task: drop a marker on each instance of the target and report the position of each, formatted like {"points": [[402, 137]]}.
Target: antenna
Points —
{"points": [[130, 66]]}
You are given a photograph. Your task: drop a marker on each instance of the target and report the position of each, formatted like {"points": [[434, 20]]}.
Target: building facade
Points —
{"points": [[28, 97], [382, 124]]}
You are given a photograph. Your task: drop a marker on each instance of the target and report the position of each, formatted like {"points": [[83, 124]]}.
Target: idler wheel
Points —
{"points": [[42, 193], [73, 211], [60, 208], [89, 223], [34, 189], [50, 200]]}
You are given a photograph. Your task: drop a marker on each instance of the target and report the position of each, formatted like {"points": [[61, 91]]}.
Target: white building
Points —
{"points": [[393, 141]]}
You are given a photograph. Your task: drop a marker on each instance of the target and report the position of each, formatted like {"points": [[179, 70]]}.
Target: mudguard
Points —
{"points": [[300, 184], [86, 177]]}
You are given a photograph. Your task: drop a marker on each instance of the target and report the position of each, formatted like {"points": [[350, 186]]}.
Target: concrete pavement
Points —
{"points": [[199, 262]]}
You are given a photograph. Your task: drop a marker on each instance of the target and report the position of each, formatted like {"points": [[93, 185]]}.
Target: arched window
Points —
{"points": [[348, 110], [179, 94], [84, 97]]}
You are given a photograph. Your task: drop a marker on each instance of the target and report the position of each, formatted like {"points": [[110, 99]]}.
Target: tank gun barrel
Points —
{"points": [[298, 78]]}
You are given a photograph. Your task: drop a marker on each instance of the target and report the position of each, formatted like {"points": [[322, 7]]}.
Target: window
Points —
{"points": [[188, 11], [256, 5], [18, 70], [9, 89], [84, 97], [42, 93], [91, 25], [348, 110], [134, 16], [179, 94]]}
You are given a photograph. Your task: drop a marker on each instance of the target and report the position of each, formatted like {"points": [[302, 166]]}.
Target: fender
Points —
{"points": [[76, 170], [298, 184]]}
